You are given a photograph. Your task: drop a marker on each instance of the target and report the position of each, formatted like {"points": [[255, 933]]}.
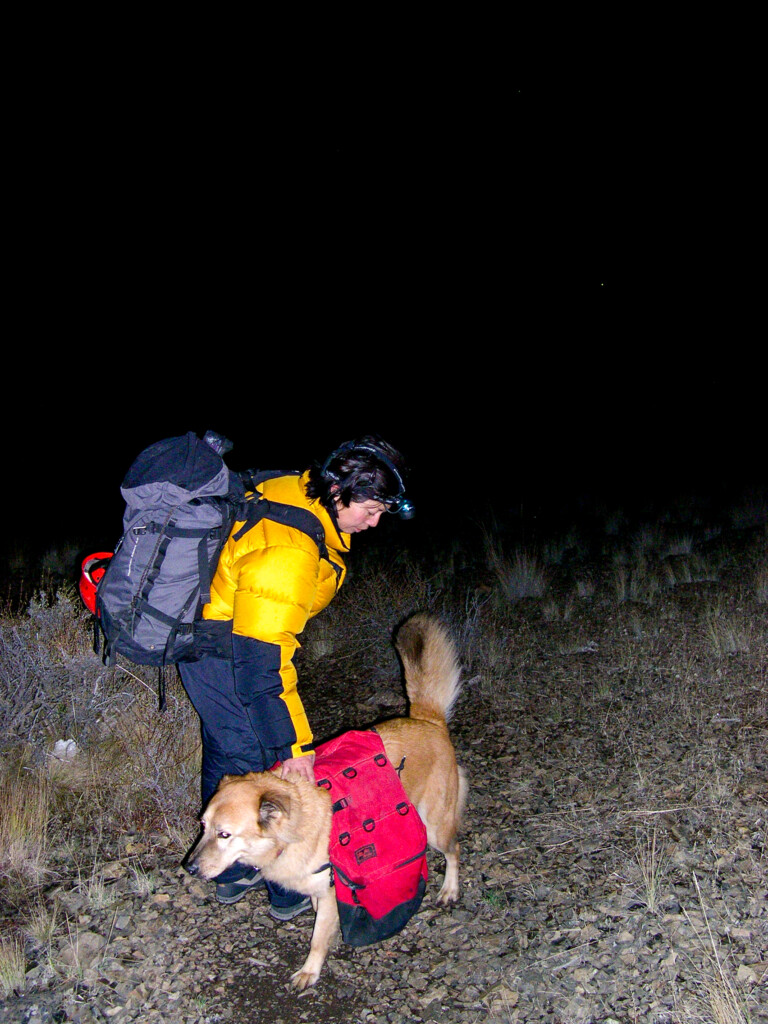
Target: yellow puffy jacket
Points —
{"points": [[269, 582]]}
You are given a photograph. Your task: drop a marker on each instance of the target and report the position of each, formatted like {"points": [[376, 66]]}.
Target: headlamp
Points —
{"points": [[401, 506]]}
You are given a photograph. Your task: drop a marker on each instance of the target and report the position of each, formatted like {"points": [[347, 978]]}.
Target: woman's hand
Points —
{"points": [[299, 766]]}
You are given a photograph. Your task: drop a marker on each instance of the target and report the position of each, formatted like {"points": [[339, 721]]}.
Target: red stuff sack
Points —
{"points": [[378, 845]]}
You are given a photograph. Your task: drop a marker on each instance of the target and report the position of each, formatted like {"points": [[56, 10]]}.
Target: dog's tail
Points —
{"points": [[432, 670]]}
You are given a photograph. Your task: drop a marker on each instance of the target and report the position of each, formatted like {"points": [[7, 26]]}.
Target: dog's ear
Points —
{"points": [[273, 807]]}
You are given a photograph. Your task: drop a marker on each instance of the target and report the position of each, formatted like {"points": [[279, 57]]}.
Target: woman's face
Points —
{"points": [[359, 515]]}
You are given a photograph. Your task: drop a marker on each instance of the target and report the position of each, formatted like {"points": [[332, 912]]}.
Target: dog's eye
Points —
{"points": [[224, 835]]}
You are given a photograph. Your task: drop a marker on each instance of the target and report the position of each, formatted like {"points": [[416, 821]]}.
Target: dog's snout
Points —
{"points": [[191, 867]]}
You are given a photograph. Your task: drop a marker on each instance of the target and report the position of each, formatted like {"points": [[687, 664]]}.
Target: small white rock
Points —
{"points": [[65, 750]]}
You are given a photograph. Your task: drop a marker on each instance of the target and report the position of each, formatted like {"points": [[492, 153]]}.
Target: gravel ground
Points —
{"points": [[614, 868]]}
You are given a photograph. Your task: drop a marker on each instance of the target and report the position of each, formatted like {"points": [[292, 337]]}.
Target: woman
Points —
{"points": [[270, 580]]}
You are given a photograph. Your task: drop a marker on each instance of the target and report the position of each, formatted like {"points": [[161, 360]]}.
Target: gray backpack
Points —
{"points": [[181, 504]]}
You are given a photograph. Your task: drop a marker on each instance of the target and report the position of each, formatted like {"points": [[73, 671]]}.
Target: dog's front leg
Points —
{"points": [[323, 934]]}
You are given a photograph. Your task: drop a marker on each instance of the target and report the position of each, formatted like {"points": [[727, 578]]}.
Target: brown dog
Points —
{"points": [[282, 826]]}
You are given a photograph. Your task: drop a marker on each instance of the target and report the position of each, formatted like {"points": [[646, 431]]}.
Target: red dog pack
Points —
{"points": [[378, 842]]}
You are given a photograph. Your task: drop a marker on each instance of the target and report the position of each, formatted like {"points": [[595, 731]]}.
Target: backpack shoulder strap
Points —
{"points": [[289, 515]]}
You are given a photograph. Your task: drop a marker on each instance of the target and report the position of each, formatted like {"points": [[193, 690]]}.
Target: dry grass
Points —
{"points": [[722, 1001], [728, 632], [12, 965], [653, 862], [638, 581], [25, 798], [42, 923], [761, 584], [519, 576]]}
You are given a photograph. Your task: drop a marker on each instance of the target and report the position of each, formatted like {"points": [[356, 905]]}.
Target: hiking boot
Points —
{"points": [[288, 913], [231, 892]]}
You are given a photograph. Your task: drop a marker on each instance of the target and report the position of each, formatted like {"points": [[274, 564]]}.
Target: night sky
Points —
{"points": [[536, 287]]}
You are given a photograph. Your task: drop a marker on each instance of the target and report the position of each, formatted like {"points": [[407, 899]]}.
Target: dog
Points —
{"points": [[282, 826]]}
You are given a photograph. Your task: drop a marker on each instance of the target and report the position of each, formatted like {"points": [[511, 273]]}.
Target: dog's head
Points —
{"points": [[248, 819]]}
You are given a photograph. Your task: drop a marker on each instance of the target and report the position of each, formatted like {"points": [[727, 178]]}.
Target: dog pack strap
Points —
{"points": [[353, 886]]}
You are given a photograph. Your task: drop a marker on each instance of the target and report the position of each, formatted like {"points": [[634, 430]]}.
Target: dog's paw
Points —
{"points": [[448, 894], [304, 979]]}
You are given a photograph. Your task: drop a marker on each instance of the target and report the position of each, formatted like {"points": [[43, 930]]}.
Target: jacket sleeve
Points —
{"points": [[274, 595]]}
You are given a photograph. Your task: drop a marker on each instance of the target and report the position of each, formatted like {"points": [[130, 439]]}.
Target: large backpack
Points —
{"points": [[378, 845], [181, 504]]}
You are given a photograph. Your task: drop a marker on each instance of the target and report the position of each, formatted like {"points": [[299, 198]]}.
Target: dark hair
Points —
{"points": [[367, 468]]}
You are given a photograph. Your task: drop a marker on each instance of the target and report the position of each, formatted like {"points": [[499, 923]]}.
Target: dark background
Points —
{"points": [[537, 284]]}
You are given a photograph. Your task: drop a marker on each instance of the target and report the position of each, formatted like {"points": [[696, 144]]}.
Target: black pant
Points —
{"points": [[230, 745]]}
